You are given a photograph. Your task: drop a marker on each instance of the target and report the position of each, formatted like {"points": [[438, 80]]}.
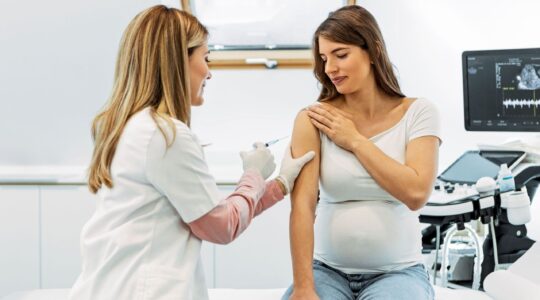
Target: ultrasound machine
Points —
{"points": [[500, 89]]}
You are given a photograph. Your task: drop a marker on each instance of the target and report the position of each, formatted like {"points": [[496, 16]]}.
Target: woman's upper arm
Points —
{"points": [[305, 137], [422, 153]]}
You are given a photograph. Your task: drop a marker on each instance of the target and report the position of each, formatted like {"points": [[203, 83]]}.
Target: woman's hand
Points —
{"points": [[304, 294], [336, 124]]}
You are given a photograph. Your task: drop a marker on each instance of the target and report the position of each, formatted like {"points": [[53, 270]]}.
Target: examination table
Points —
{"points": [[520, 282], [245, 294]]}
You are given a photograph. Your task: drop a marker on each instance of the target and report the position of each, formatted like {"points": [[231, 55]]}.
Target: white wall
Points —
{"points": [[56, 69], [57, 60], [246, 106], [425, 40]]}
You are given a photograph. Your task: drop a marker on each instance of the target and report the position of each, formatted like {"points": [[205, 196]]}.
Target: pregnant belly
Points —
{"points": [[366, 235]]}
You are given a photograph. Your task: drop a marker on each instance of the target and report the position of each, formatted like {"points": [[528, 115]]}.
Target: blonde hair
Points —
{"points": [[152, 70]]}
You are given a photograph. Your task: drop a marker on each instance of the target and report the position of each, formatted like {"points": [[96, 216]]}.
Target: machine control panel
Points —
{"points": [[445, 192]]}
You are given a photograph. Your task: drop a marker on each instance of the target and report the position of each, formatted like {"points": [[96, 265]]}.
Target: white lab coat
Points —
{"points": [[137, 245]]}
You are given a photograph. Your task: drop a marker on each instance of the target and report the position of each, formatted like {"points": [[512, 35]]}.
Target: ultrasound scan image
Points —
{"points": [[528, 79]]}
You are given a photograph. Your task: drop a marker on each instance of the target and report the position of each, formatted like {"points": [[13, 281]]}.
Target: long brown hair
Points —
{"points": [[354, 25], [151, 71]]}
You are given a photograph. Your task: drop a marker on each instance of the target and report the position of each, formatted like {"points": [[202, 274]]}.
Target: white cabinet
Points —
{"points": [[64, 211], [260, 257], [19, 236], [40, 229]]}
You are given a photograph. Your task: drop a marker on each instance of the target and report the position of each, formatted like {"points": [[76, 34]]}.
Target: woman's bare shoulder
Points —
{"points": [[303, 122], [302, 116]]}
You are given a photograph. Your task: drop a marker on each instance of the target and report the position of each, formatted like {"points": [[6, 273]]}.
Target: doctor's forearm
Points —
{"points": [[272, 194], [225, 222], [232, 215]]}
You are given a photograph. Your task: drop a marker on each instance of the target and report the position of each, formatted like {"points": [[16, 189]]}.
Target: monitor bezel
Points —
{"points": [[464, 56]]}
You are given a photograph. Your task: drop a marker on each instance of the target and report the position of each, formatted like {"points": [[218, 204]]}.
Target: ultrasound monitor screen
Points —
{"points": [[502, 90]]}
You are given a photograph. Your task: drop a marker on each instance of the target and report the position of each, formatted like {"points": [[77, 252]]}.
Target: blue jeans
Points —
{"points": [[408, 284]]}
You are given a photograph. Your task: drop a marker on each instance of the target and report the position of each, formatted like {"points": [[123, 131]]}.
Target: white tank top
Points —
{"points": [[360, 227]]}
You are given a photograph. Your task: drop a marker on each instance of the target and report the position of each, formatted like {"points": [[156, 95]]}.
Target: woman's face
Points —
{"points": [[199, 73], [347, 66]]}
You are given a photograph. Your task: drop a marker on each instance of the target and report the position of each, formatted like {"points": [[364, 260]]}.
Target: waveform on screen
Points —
{"points": [[521, 103]]}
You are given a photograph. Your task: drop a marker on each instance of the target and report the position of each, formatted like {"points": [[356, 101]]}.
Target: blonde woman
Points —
{"points": [[157, 200]]}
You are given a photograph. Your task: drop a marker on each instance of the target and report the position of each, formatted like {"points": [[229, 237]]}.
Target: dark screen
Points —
{"points": [[502, 90], [473, 165]]}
